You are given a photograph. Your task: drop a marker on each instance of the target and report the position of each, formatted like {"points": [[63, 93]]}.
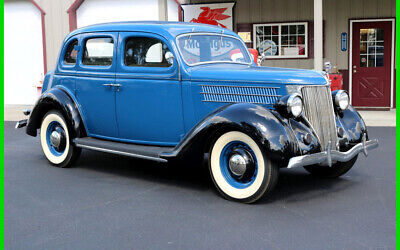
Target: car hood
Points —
{"points": [[253, 74]]}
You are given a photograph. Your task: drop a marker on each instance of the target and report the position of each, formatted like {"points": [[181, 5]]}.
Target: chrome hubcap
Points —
{"points": [[55, 139], [237, 165], [241, 164]]}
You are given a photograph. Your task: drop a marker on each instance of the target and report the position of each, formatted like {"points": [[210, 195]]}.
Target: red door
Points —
{"points": [[371, 59]]}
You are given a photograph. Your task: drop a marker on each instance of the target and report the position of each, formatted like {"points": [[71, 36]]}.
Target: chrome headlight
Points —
{"points": [[341, 99], [295, 105]]}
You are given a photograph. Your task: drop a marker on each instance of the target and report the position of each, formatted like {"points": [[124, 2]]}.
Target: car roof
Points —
{"points": [[166, 29]]}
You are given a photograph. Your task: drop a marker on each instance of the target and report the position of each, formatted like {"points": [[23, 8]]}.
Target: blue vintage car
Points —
{"points": [[167, 91]]}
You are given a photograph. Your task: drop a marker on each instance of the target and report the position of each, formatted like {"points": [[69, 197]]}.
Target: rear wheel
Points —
{"points": [[239, 168], [56, 141], [337, 169]]}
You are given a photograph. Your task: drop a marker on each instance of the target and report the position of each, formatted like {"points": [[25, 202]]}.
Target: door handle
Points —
{"points": [[112, 85]]}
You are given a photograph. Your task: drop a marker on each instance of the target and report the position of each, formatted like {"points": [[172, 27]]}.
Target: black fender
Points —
{"points": [[275, 137], [353, 125], [59, 99]]}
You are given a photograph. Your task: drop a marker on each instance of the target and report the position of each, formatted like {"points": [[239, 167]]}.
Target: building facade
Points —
{"points": [[356, 36], [45, 23]]}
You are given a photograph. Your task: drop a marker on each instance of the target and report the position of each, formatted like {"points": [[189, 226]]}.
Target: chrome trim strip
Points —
{"points": [[241, 86], [236, 102], [330, 156], [213, 93], [120, 153]]}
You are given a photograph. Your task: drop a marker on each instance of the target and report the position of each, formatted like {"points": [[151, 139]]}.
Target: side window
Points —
{"points": [[145, 52], [71, 53], [98, 51]]}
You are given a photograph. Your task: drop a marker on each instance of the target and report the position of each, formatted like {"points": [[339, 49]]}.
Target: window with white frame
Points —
{"points": [[281, 40]]}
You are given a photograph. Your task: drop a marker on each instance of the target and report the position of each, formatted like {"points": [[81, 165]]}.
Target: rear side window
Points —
{"points": [[98, 52], [145, 52], [71, 53]]}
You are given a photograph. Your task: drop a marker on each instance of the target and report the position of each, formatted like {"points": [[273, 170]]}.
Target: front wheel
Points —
{"points": [[56, 141], [239, 168], [337, 169]]}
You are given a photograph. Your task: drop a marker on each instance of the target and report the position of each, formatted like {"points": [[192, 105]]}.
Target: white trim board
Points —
{"points": [[350, 66]]}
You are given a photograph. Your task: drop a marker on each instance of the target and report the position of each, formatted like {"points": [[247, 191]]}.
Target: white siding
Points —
{"points": [[336, 17], [57, 27], [173, 12], [337, 14], [101, 11], [23, 52]]}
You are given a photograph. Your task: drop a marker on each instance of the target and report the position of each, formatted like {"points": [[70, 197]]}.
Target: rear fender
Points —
{"points": [[58, 99]]}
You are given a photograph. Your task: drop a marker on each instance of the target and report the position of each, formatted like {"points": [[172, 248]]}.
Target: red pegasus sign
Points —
{"points": [[211, 16]]}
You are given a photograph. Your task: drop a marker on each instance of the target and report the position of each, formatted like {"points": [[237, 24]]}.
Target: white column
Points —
{"points": [[162, 10], [318, 36]]}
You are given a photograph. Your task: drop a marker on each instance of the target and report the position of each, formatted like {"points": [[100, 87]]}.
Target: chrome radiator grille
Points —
{"points": [[238, 94], [318, 109]]}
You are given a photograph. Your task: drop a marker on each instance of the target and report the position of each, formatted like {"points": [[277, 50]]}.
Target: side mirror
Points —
{"points": [[169, 57]]}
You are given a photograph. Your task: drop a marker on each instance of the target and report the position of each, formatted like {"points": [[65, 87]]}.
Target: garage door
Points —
{"points": [[23, 52], [101, 11]]}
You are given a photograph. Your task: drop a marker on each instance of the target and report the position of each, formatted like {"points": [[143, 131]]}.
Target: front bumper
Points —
{"points": [[329, 156]]}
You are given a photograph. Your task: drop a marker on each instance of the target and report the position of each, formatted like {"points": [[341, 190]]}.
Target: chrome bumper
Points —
{"points": [[23, 123], [329, 156]]}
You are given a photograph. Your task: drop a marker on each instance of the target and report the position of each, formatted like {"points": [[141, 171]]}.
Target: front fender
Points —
{"points": [[274, 137], [353, 125], [58, 99]]}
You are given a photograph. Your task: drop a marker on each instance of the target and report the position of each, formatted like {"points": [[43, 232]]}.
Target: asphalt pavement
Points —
{"points": [[114, 203]]}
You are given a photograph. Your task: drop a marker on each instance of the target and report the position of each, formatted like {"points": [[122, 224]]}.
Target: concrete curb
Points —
{"points": [[14, 112], [379, 118]]}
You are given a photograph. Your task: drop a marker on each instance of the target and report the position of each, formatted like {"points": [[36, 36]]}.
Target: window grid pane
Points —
{"points": [[371, 47], [282, 40]]}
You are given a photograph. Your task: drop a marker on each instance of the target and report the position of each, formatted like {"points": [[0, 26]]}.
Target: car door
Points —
{"points": [[148, 101], [95, 79]]}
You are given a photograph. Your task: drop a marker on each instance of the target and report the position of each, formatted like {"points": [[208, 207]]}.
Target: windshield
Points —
{"points": [[206, 48]]}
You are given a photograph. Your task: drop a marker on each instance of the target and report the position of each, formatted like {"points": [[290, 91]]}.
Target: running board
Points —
{"points": [[127, 149]]}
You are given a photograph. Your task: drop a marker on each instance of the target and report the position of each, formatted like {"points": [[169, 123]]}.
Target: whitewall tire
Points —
{"points": [[239, 168], [56, 141]]}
